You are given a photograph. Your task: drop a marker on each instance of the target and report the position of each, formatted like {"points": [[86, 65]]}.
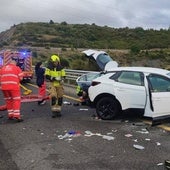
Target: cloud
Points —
{"points": [[114, 13]]}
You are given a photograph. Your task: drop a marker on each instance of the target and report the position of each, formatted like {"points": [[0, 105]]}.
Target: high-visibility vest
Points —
{"points": [[10, 77], [79, 91], [57, 74]]}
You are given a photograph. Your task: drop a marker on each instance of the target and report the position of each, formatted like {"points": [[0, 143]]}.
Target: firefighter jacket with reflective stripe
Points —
{"points": [[10, 77], [55, 75]]}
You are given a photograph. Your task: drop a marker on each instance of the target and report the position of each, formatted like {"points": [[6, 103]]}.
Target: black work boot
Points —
{"points": [[53, 101]]}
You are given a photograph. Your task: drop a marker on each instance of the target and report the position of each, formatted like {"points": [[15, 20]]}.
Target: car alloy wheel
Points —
{"points": [[107, 108]]}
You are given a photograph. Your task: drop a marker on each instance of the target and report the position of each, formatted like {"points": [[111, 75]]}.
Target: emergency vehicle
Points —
{"points": [[23, 59]]}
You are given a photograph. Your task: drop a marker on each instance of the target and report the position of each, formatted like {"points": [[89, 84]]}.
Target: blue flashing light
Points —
{"points": [[1, 61], [24, 54]]}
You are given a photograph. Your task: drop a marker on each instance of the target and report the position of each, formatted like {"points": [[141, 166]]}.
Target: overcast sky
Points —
{"points": [[113, 13]]}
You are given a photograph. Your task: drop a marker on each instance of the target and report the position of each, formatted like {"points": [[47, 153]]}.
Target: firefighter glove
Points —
{"points": [[52, 78], [58, 78]]}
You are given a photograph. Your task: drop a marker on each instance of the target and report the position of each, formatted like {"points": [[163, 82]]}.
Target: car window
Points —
{"points": [[102, 60], [92, 76], [88, 77], [82, 78], [159, 83], [130, 77]]}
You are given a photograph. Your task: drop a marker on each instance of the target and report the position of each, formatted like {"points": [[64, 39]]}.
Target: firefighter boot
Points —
{"points": [[55, 108], [60, 102]]}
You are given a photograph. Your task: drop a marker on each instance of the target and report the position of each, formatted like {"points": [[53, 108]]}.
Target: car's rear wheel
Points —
{"points": [[107, 108]]}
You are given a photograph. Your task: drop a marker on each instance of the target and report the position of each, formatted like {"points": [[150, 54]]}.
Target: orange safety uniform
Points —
{"points": [[10, 77]]}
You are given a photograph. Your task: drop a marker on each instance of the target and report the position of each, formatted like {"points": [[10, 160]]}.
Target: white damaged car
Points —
{"points": [[147, 90]]}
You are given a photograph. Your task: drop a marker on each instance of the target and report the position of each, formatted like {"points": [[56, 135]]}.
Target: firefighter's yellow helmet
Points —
{"points": [[55, 58]]}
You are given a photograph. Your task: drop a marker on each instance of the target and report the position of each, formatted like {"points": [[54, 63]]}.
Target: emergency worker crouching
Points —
{"points": [[82, 92], [55, 73], [10, 77]]}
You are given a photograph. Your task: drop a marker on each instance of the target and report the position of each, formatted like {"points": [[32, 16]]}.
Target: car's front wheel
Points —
{"points": [[107, 108]]}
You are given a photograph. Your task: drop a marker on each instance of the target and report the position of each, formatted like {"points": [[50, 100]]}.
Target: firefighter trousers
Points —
{"points": [[56, 93]]}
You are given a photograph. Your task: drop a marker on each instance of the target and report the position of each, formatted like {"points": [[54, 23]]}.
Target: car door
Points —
{"points": [[130, 90], [160, 95]]}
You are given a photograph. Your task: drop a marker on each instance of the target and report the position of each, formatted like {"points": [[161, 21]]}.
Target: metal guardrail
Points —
{"points": [[72, 75]]}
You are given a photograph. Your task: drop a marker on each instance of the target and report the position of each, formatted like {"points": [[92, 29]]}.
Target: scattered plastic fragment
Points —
{"points": [[138, 147], [69, 139], [98, 134], [83, 109], [160, 164], [64, 136], [42, 133], [67, 103], [108, 137], [147, 139], [109, 133], [128, 135], [88, 133], [114, 130], [74, 133], [69, 134], [135, 140], [143, 131], [158, 144]]}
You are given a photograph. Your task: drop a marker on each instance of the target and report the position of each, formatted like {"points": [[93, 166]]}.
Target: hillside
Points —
{"points": [[133, 46], [84, 36]]}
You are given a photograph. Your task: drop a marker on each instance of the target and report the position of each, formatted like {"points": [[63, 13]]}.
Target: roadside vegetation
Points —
{"points": [[129, 47]]}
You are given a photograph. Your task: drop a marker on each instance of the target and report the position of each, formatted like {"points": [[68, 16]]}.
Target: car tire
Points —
{"points": [[107, 108]]}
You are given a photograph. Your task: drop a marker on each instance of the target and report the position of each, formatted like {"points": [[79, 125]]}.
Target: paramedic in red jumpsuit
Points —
{"points": [[10, 77]]}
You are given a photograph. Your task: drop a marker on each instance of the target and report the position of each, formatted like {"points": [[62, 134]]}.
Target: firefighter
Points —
{"points": [[10, 77], [82, 92], [55, 73]]}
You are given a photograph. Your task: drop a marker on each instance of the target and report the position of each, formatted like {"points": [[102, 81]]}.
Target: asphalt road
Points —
{"points": [[78, 140]]}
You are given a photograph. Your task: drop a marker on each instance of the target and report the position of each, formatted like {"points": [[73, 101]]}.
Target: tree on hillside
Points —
{"points": [[51, 22]]}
